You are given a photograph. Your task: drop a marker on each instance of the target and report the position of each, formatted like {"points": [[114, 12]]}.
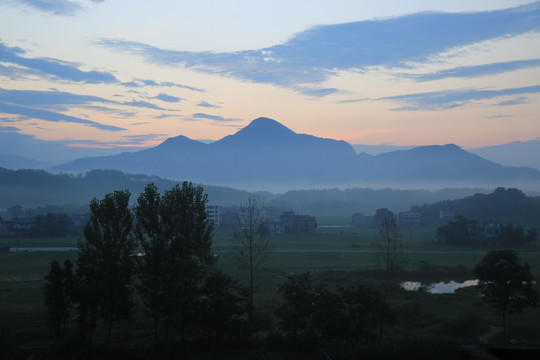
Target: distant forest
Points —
{"points": [[502, 206], [46, 192]]}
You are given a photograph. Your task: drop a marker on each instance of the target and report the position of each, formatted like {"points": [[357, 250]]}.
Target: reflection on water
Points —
{"points": [[447, 287]]}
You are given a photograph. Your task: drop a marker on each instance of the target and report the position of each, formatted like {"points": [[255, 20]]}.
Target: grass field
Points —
{"points": [[336, 256]]}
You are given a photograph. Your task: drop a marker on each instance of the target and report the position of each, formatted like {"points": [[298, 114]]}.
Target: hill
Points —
{"points": [[267, 155], [33, 188], [38, 188], [516, 153], [502, 205]]}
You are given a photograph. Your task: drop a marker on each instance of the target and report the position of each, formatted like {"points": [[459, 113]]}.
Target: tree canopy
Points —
{"points": [[506, 283]]}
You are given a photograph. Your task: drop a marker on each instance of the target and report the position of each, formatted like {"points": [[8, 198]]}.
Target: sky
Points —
{"points": [[86, 77]]}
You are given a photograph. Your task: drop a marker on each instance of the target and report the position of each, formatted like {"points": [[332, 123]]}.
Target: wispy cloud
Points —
{"points": [[168, 98], [449, 99], [142, 104], [48, 105], [475, 71], [53, 67], [55, 7], [147, 82], [208, 105], [53, 116], [57, 100], [211, 117], [312, 56]]}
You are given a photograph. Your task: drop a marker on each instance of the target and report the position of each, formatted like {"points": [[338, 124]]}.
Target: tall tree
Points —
{"points": [[177, 237], [58, 295], [390, 255], [152, 270], [105, 257], [254, 240], [506, 283]]}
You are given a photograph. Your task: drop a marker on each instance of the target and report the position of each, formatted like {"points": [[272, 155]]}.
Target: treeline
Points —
{"points": [[176, 283], [462, 231], [502, 205], [31, 188], [35, 188]]}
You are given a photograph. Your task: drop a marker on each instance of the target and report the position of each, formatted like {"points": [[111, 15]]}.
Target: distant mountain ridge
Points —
{"points": [[267, 154], [517, 153]]}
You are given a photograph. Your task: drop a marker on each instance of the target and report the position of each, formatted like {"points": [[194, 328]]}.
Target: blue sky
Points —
{"points": [[97, 77]]}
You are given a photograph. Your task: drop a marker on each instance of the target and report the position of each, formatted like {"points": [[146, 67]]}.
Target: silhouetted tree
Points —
{"points": [[222, 304], [58, 293], [177, 237], [312, 310], [254, 240], [299, 295], [152, 270], [506, 283], [382, 215], [365, 309], [458, 232], [52, 225], [390, 255], [516, 236], [105, 264]]}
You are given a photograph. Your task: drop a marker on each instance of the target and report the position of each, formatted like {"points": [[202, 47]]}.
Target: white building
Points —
{"points": [[214, 214]]}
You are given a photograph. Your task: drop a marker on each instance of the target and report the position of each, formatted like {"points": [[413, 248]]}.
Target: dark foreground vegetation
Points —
{"points": [[181, 300]]}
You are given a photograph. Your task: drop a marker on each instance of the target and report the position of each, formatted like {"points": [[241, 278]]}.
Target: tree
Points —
{"points": [[58, 293], [313, 310], [52, 225], [16, 211], [152, 266], [506, 283], [223, 302], [299, 295], [176, 236], [516, 236], [254, 240], [458, 232], [382, 215], [390, 255], [105, 264]]}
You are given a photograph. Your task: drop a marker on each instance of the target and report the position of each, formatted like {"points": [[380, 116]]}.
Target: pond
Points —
{"points": [[443, 287]]}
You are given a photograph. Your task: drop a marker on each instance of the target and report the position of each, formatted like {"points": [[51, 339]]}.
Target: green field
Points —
{"points": [[336, 256]]}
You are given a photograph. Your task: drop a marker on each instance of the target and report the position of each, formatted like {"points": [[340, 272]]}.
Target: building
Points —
{"points": [[214, 214], [17, 227], [361, 220], [409, 219], [297, 224], [447, 214]]}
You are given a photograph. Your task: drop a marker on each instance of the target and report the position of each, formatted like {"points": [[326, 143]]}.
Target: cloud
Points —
{"points": [[475, 71], [53, 67], [519, 100], [449, 99], [55, 7], [168, 98], [53, 116], [56, 100], [211, 117], [164, 116], [48, 105], [316, 92], [143, 104], [208, 105], [146, 82], [312, 56]]}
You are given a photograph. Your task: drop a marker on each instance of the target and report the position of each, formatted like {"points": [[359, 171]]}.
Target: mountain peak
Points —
{"points": [[260, 131], [266, 126]]}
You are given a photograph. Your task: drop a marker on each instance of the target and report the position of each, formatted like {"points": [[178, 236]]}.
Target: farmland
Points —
{"points": [[334, 255]]}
